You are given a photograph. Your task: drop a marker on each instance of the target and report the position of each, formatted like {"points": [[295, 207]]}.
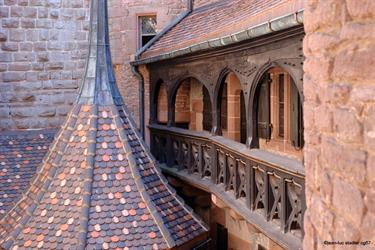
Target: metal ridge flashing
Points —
{"points": [[273, 25]]}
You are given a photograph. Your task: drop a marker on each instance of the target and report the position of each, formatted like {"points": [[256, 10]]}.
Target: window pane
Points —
{"points": [[146, 39], [148, 25]]}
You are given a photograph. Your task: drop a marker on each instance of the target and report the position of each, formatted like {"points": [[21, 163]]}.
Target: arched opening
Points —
{"points": [[232, 109], [278, 114], [192, 106], [161, 104]]}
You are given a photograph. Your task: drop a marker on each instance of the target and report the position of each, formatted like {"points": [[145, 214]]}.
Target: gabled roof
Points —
{"points": [[98, 186], [220, 19]]}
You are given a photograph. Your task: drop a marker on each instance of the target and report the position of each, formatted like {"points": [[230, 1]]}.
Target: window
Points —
{"points": [[279, 114], [147, 29]]}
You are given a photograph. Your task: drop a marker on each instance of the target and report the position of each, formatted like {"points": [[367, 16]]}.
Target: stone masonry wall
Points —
{"points": [[43, 45], [123, 25], [43, 48], [339, 118]]}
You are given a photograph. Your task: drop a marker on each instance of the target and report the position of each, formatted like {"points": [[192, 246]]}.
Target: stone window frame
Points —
{"points": [[140, 34]]}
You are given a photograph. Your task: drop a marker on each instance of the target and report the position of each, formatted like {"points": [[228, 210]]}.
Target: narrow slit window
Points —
{"points": [[147, 29]]}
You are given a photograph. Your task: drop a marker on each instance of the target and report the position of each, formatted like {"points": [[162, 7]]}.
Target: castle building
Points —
{"points": [[187, 124]]}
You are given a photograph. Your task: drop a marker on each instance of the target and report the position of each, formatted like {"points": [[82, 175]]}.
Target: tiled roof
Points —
{"points": [[98, 186], [219, 19], [20, 154]]}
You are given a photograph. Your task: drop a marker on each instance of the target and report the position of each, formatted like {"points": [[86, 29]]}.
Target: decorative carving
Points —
{"points": [[246, 72], [184, 161], [207, 160], [275, 183], [176, 151], [294, 207], [231, 172], [292, 62], [221, 166], [241, 180], [260, 189], [195, 161]]}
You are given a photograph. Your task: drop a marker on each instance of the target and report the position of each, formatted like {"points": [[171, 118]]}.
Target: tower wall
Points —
{"points": [[339, 119]]}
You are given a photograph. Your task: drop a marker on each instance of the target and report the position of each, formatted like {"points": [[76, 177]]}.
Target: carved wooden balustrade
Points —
{"points": [[275, 192]]}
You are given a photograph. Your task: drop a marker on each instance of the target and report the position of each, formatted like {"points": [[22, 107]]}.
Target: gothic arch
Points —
{"points": [[216, 95], [173, 92], [252, 133]]}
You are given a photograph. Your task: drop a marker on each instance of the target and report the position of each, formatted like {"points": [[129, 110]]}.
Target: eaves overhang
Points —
{"points": [[271, 26]]}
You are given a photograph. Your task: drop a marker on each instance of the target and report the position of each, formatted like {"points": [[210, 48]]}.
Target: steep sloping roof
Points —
{"points": [[221, 18], [98, 186], [20, 154]]}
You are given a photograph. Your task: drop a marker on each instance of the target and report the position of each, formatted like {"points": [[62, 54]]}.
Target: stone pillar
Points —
{"points": [[339, 121], [196, 106], [234, 109]]}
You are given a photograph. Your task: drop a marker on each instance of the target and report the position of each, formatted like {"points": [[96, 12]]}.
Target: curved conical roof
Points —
{"points": [[98, 186]]}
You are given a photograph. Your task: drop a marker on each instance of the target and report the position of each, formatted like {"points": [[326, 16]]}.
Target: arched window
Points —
{"points": [[279, 113], [192, 106], [232, 109]]}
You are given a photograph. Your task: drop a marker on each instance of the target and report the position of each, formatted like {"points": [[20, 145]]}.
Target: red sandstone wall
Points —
{"points": [[339, 116]]}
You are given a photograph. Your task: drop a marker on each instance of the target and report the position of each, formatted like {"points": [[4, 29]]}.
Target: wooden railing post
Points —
{"points": [[169, 151], [283, 216], [249, 183], [214, 164], [266, 197], [200, 159], [252, 186]]}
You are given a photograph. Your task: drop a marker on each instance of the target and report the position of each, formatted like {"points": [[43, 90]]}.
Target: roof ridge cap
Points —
{"points": [[88, 174]]}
